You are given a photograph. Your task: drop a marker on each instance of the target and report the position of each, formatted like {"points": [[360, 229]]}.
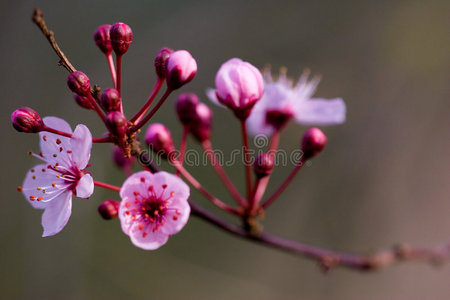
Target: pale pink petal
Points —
{"points": [[42, 185], [57, 214], [176, 220], [174, 185], [321, 112], [134, 183], [81, 143], [85, 186], [211, 94], [54, 147], [146, 238]]}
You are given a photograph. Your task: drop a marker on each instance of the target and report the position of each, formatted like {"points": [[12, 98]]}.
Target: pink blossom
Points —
{"points": [[239, 85], [50, 186], [283, 101], [181, 68], [153, 207]]}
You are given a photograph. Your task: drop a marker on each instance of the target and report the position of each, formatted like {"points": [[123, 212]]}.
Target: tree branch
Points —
{"points": [[38, 19]]}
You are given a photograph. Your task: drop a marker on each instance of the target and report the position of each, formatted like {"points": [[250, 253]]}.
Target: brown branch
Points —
{"points": [[38, 19]]}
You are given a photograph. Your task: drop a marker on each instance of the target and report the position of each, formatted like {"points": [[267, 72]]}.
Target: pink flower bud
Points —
{"points": [[181, 68], [159, 139], [110, 100], [83, 101], [263, 164], [121, 37], [78, 83], [109, 209], [27, 120], [117, 123], [239, 85], [160, 61], [313, 142], [120, 160], [102, 40], [185, 107], [201, 126]]}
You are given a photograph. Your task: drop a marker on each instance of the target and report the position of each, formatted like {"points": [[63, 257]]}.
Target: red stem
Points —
{"points": [[221, 172], [55, 131], [112, 69], [119, 72], [101, 140], [284, 185], [151, 113], [149, 101], [183, 143], [202, 190], [97, 108], [107, 186], [248, 170]]}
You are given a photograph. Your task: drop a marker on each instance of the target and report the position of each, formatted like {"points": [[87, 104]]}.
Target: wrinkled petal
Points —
{"points": [[85, 186], [321, 112], [57, 214], [81, 144], [147, 239]]}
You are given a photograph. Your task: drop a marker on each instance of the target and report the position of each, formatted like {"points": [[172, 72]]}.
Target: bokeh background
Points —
{"points": [[383, 179]]}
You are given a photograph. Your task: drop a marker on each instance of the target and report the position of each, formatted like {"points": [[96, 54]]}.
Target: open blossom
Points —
{"points": [[282, 101], [153, 207], [50, 185]]}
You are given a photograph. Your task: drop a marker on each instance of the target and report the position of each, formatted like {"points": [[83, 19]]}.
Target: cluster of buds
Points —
{"points": [[155, 206]]}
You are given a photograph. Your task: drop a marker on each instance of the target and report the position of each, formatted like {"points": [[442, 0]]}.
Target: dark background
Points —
{"points": [[383, 179]]}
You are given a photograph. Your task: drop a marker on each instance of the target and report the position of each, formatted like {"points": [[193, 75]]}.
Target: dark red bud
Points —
{"points": [[185, 106], [110, 100], [121, 37], [120, 160], [27, 120], [117, 123], [101, 38], [78, 83], [263, 164], [160, 61], [83, 101], [159, 139], [313, 142], [201, 126], [109, 209]]}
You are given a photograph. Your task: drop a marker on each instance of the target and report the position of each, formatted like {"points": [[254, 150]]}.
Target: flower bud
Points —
{"points": [[201, 126], [121, 37], [263, 164], [83, 101], [120, 160], [110, 100], [181, 68], [159, 139], [78, 83], [239, 85], [109, 209], [185, 107], [313, 142], [102, 40], [160, 61], [117, 123], [27, 120]]}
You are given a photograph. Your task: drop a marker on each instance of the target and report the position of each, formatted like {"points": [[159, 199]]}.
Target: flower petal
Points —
{"points": [[85, 186], [321, 112], [176, 220], [147, 239], [81, 143], [211, 94], [54, 147], [41, 186], [57, 214]]}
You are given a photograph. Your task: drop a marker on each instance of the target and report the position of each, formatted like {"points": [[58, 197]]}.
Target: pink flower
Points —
{"points": [[283, 101], [181, 68], [239, 85], [50, 186], [153, 207]]}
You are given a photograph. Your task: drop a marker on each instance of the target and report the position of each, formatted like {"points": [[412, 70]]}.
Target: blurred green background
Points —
{"points": [[383, 179]]}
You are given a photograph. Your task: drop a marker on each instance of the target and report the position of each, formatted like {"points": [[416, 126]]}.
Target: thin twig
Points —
{"points": [[38, 19]]}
